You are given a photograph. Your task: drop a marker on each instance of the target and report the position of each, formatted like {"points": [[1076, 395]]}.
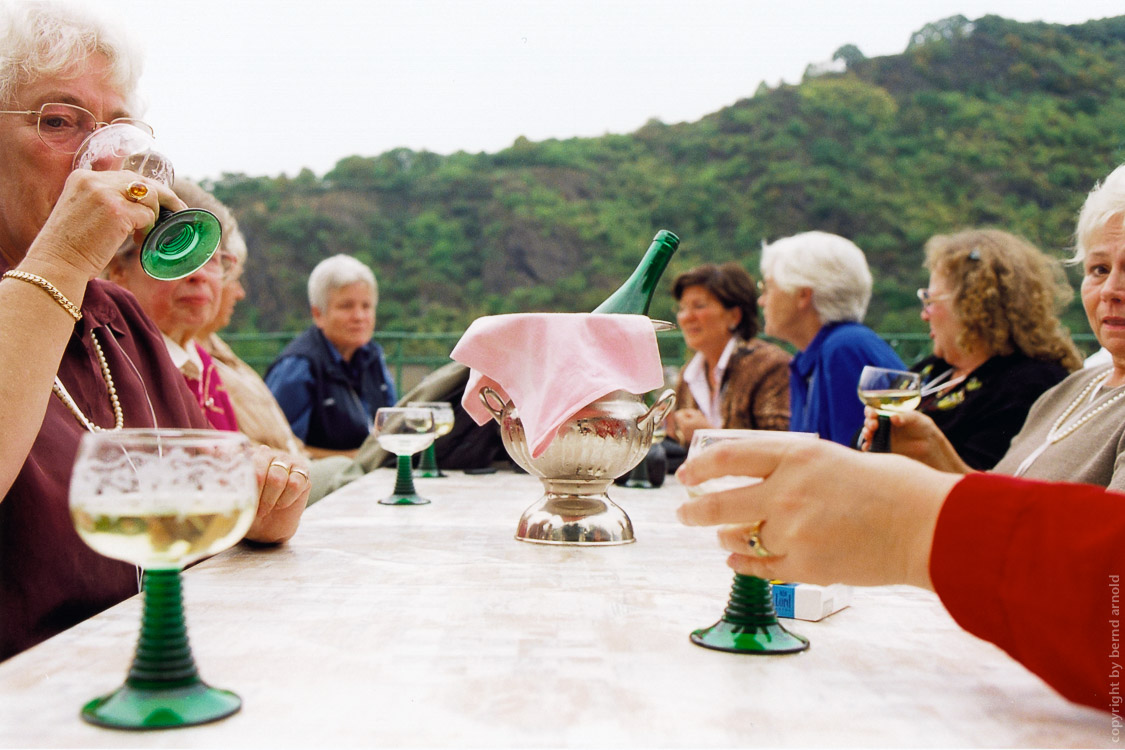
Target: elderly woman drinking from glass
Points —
{"points": [[817, 286], [734, 380], [992, 306], [1076, 430], [76, 353]]}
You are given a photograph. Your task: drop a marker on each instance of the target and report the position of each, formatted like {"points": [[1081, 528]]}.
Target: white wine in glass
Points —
{"points": [[162, 499], [888, 392], [404, 431], [443, 424]]}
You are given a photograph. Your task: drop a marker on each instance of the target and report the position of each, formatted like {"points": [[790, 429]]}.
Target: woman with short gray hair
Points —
{"points": [[332, 378], [816, 289]]}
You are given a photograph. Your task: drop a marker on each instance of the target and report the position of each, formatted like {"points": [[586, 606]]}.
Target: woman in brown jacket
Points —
{"points": [[734, 380]]}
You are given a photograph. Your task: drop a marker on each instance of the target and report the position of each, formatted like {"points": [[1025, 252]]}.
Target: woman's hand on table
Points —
{"points": [[684, 422], [93, 217], [827, 513], [284, 485]]}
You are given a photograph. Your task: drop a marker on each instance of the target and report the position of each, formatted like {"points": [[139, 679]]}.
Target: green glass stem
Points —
{"points": [[163, 688], [881, 439], [749, 624], [427, 464], [638, 477], [404, 493]]}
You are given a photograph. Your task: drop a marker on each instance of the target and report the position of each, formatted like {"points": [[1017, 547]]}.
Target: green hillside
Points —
{"points": [[992, 122]]}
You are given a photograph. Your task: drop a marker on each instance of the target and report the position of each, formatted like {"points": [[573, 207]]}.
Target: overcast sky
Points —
{"points": [[266, 87]]}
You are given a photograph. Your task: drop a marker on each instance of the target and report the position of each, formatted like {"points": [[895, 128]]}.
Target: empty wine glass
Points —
{"points": [[749, 624], [443, 423], [889, 392], [181, 242], [162, 499], [404, 431]]}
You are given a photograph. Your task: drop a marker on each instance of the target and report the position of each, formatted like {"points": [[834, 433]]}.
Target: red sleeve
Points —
{"points": [[1036, 568]]}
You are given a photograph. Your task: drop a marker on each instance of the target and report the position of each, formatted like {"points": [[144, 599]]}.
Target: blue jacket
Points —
{"points": [[330, 403], [823, 379]]}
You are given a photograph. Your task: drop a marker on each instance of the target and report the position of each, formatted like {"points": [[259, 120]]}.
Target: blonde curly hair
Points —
{"points": [[1007, 294]]}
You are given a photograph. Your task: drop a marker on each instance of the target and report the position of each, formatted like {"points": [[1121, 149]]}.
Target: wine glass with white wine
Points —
{"points": [[403, 431], [888, 392], [161, 499], [181, 242], [749, 624], [443, 423]]}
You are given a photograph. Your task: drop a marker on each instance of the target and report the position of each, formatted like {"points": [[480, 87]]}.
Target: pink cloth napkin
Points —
{"points": [[550, 365]]}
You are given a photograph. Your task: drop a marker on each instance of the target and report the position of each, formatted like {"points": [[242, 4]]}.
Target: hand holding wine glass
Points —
{"points": [[162, 499], [404, 431], [749, 624], [180, 242], [888, 392]]}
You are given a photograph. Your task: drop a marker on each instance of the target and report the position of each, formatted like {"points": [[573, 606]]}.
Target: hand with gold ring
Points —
{"points": [[835, 515], [284, 486], [136, 191]]}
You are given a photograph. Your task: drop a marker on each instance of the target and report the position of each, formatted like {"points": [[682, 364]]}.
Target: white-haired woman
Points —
{"points": [[331, 379], [77, 353], [815, 293]]}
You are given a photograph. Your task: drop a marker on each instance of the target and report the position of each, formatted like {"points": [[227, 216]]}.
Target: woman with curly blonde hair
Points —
{"points": [[992, 306]]}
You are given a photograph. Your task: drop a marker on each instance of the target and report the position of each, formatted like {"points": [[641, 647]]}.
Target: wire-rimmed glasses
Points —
{"points": [[63, 127]]}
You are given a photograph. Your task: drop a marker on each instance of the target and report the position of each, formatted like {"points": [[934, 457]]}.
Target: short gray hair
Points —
{"points": [[338, 271], [1104, 203], [833, 267], [44, 39]]}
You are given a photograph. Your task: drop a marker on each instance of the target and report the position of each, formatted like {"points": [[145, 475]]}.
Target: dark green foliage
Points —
{"points": [[983, 123]]}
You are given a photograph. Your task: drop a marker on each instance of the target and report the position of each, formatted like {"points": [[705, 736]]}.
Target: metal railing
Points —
{"points": [[411, 355]]}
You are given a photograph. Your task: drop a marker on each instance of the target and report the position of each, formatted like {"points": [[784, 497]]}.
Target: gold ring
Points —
{"points": [[754, 542], [274, 462], [302, 472], [136, 191]]}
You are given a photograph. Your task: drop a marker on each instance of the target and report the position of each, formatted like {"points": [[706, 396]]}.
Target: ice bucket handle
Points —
{"points": [[664, 405], [486, 397]]}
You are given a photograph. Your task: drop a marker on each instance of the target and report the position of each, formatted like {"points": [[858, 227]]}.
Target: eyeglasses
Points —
{"points": [[63, 127], [928, 299]]}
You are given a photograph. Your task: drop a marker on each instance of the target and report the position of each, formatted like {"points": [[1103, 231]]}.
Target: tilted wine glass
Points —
{"points": [[443, 423], [749, 623], [404, 431], [162, 499], [889, 392], [181, 242]]}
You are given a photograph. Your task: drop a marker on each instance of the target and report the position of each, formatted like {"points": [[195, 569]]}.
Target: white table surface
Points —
{"points": [[431, 626]]}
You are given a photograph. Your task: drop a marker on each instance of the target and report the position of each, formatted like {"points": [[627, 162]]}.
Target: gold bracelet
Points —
{"points": [[49, 288]]}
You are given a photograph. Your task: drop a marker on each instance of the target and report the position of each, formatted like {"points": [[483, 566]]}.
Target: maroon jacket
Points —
{"points": [[49, 579]]}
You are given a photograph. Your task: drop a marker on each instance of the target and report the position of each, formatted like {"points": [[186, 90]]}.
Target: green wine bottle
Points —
{"points": [[635, 295]]}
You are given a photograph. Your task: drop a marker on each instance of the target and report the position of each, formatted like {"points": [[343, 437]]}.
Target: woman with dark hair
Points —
{"points": [[734, 380]]}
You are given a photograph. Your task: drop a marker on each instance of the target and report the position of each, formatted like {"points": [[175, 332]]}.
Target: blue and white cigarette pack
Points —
{"points": [[807, 601]]}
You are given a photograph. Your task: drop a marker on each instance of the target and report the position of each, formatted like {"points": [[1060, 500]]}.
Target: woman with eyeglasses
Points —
{"points": [[992, 306], [77, 353], [734, 380], [1074, 431]]}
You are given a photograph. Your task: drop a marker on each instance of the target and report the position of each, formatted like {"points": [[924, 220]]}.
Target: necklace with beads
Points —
{"points": [[1058, 432], [60, 390]]}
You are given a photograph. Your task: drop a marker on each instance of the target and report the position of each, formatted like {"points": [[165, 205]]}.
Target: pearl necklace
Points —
{"points": [[60, 390], [1057, 433]]}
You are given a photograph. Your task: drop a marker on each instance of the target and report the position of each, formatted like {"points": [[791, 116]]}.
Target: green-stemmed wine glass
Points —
{"points": [[162, 499], [888, 392], [181, 242], [443, 423], [404, 431], [749, 624]]}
